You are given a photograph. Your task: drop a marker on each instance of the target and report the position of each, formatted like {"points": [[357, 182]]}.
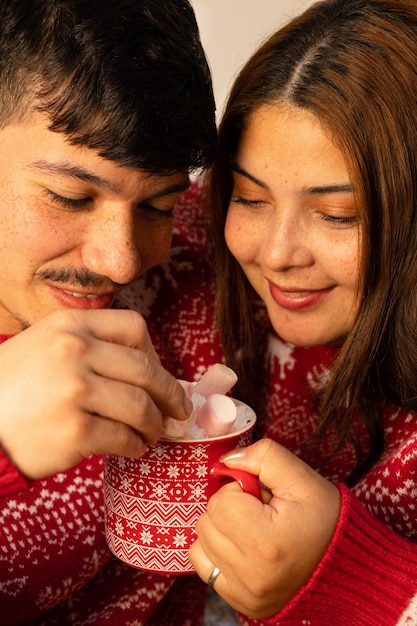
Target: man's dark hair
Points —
{"points": [[128, 78]]}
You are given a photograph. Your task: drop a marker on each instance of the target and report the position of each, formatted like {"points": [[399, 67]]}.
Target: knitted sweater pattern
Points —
{"points": [[55, 567], [368, 575]]}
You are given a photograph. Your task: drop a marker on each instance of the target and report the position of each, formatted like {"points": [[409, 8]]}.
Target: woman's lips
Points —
{"points": [[297, 299], [79, 300]]}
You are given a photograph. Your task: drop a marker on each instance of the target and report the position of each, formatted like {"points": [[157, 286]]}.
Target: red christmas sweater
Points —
{"points": [[368, 576], [55, 567]]}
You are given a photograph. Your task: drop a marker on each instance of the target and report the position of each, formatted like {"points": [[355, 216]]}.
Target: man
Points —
{"points": [[105, 109]]}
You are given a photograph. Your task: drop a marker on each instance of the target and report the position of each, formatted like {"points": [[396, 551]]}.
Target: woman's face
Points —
{"points": [[293, 225]]}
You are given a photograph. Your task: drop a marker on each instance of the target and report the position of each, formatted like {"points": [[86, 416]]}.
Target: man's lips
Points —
{"points": [[82, 295], [78, 299], [296, 299]]}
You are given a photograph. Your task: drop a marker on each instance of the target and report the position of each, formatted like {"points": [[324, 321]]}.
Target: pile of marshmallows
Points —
{"points": [[214, 412]]}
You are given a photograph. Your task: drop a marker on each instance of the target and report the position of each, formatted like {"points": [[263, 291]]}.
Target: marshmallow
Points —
{"points": [[217, 415], [214, 413], [218, 379]]}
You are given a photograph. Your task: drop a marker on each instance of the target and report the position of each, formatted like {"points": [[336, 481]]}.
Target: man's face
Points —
{"points": [[75, 227]]}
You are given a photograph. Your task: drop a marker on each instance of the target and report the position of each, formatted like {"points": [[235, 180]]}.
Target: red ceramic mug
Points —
{"points": [[153, 503]]}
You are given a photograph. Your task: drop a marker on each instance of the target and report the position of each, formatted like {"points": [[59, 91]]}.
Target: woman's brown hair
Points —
{"points": [[353, 64]]}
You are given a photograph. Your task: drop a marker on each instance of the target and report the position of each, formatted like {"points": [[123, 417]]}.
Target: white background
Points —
{"points": [[232, 29]]}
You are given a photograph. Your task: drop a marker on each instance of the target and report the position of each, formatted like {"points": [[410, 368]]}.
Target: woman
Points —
{"points": [[314, 200]]}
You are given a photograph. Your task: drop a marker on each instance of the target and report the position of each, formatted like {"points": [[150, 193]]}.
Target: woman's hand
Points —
{"points": [[80, 383], [266, 551]]}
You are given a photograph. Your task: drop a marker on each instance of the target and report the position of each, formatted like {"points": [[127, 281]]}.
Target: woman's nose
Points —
{"points": [[286, 243]]}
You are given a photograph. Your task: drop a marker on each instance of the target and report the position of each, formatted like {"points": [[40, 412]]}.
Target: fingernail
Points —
{"points": [[188, 405], [239, 453]]}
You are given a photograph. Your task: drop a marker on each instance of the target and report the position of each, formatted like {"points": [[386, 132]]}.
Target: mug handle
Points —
{"points": [[248, 482]]}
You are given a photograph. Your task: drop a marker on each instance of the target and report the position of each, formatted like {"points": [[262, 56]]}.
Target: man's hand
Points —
{"points": [[80, 383]]}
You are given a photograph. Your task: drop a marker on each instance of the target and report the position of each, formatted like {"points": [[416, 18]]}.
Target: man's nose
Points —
{"points": [[110, 249]]}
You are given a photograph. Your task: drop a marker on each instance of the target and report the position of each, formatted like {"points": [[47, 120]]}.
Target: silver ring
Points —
{"points": [[212, 577]]}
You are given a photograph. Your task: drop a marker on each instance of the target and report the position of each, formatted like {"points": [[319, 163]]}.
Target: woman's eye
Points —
{"points": [[344, 221], [246, 201], [68, 203]]}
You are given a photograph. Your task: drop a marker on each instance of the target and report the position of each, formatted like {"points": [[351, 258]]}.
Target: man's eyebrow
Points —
{"points": [[62, 168], [175, 188]]}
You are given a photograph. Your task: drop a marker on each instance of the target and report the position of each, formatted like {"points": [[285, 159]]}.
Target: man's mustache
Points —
{"points": [[75, 276]]}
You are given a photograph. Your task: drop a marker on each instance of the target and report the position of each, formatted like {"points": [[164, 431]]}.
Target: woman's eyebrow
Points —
{"points": [[316, 190], [239, 170], [323, 189]]}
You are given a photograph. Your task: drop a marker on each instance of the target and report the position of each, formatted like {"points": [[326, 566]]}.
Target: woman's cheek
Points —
{"points": [[239, 238]]}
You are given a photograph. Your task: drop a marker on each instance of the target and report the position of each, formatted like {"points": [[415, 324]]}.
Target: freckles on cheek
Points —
{"points": [[39, 239], [233, 235], [46, 239], [241, 241], [346, 268], [22, 230]]}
